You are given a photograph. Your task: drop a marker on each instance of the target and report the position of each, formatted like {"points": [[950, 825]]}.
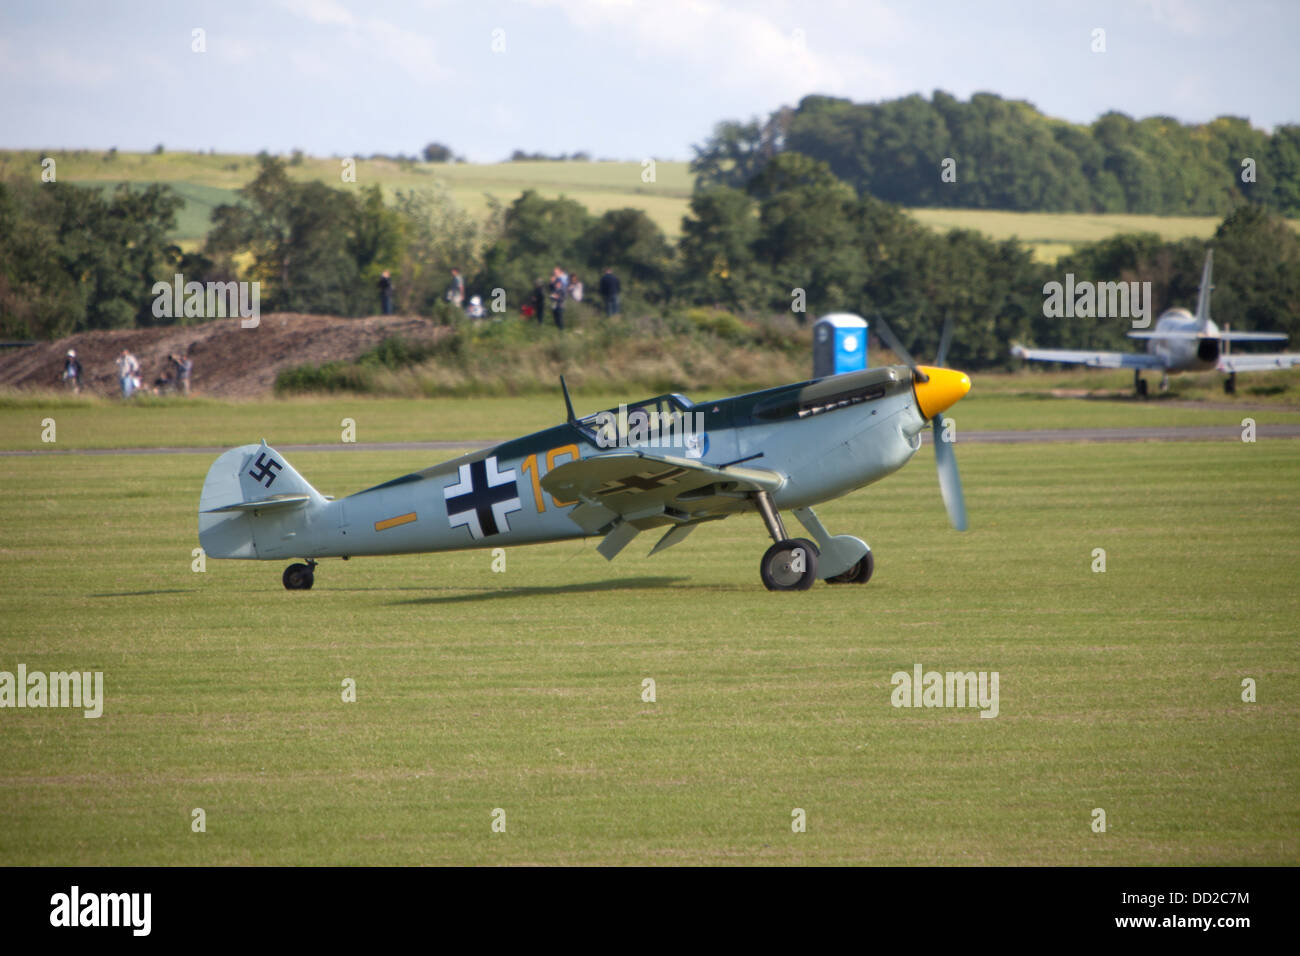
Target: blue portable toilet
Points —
{"points": [[839, 344]]}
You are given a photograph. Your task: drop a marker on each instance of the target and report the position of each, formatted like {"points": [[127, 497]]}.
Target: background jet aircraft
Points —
{"points": [[612, 475], [1180, 342]]}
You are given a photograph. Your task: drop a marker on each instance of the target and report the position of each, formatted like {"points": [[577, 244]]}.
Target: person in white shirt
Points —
{"points": [[128, 372]]}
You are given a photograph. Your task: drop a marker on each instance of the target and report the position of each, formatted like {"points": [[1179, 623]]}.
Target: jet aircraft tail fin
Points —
{"points": [[1203, 297]]}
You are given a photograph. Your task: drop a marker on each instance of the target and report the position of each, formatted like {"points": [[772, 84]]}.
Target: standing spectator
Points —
{"points": [[128, 372], [575, 288], [609, 289], [182, 366], [386, 293], [186, 369], [559, 291], [72, 371], [539, 301], [456, 291]]}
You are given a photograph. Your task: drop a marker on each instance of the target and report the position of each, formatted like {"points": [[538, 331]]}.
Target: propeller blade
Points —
{"points": [[895, 346], [945, 460], [945, 337]]}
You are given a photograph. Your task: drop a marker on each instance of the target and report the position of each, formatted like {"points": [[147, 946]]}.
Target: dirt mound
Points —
{"points": [[229, 361]]}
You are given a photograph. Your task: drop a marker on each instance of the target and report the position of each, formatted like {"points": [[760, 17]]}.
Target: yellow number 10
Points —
{"points": [[530, 465]]}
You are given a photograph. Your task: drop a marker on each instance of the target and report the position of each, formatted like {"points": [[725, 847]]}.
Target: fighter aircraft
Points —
{"points": [[1180, 342], [663, 463]]}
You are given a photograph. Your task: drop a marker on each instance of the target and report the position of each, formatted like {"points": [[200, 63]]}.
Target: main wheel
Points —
{"points": [[1142, 388], [860, 573], [298, 577], [789, 565]]}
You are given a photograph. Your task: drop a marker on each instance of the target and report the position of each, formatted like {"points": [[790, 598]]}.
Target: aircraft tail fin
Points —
{"points": [[254, 505], [1203, 298]]}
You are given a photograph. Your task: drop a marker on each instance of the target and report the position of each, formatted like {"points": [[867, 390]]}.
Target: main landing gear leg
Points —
{"points": [[300, 577], [844, 559], [790, 564], [1164, 382]]}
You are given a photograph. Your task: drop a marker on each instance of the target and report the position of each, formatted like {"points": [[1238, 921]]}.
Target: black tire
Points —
{"points": [[776, 567], [1230, 385], [1142, 388], [860, 573], [298, 577]]}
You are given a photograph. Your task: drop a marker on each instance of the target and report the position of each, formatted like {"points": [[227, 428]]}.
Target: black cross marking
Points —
{"points": [[481, 498], [268, 466], [645, 481]]}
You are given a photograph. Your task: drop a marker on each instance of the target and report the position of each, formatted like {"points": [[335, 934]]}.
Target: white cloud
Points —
{"points": [[410, 51], [323, 12], [772, 50], [1181, 15]]}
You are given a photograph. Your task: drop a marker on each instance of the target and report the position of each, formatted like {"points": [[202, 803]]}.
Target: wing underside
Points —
{"points": [[623, 493]]}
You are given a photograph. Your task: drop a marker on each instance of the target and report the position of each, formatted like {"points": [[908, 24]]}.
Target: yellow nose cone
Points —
{"points": [[944, 390]]}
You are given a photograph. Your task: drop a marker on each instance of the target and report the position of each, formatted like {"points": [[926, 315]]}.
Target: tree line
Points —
{"points": [[992, 153], [792, 239]]}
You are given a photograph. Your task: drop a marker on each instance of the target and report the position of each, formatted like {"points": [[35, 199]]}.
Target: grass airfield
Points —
{"points": [[998, 401], [522, 690]]}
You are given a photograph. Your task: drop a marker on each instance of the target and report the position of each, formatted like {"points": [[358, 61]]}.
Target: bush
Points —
{"points": [[330, 377]]}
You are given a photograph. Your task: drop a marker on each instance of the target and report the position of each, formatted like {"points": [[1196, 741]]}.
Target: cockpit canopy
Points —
{"points": [[664, 422]]}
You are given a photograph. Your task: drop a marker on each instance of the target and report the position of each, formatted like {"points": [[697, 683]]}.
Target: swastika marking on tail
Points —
{"points": [[267, 470]]}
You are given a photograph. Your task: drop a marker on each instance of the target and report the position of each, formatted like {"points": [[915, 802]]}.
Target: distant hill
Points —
{"points": [[206, 180]]}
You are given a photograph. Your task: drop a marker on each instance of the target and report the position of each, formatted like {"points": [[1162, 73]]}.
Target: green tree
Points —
{"points": [[536, 234], [73, 259], [716, 264], [313, 246], [628, 241]]}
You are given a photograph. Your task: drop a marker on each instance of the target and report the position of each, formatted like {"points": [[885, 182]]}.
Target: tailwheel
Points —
{"points": [[789, 565], [860, 573], [300, 577]]}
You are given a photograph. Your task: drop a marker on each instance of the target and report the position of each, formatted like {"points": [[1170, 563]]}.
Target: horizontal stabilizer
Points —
{"points": [[1222, 336], [264, 504], [1253, 336]]}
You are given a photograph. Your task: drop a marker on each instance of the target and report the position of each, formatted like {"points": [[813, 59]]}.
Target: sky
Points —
{"points": [[619, 79]]}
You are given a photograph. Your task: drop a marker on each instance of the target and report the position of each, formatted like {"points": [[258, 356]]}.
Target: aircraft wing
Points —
{"points": [[623, 493], [1093, 359], [1257, 363]]}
